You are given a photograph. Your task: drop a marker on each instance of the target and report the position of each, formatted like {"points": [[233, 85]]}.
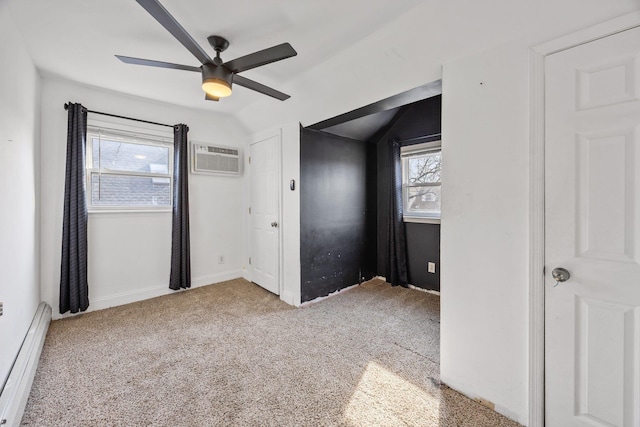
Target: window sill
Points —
{"points": [[126, 211], [421, 220]]}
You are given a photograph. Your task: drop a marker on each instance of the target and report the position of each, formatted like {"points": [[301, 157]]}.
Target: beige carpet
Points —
{"points": [[232, 354]]}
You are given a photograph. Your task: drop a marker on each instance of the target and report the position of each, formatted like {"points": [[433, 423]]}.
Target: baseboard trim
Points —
{"points": [[491, 405], [289, 298], [429, 291], [136, 295], [15, 393], [216, 278], [332, 294]]}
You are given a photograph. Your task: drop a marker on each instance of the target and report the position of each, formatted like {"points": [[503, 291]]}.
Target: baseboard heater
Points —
{"points": [[14, 394]]}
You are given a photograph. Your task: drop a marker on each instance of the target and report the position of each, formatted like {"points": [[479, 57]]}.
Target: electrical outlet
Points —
{"points": [[431, 267], [221, 259]]}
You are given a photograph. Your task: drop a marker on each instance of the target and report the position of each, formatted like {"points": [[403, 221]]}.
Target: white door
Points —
{"points": [[264, 213], [592, 220]]}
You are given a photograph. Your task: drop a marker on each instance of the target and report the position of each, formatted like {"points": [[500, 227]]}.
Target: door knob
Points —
{"points": [[560, 275], [274, 224]]}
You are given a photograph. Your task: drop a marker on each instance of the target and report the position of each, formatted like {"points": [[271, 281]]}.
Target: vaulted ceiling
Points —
{"points": [[350, 52], [77, 39]]}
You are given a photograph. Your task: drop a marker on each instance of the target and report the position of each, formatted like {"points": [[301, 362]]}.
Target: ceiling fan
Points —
{"points": [[217, 76]]}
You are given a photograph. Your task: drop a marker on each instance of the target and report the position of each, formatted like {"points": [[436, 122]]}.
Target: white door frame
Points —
{"points": [[256, 139], [538, 55]]}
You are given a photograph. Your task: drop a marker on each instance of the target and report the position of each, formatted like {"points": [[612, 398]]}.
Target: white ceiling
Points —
{"points": [[77, 39], [350, 52]]}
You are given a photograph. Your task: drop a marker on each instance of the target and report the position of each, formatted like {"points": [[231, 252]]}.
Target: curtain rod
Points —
{"points": [[418, 138], [66, 107]]}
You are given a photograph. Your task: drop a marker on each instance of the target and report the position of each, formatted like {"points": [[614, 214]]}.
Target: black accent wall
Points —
{"points": [[344, 198], [423, 240], [338, 223], [423, 245]]}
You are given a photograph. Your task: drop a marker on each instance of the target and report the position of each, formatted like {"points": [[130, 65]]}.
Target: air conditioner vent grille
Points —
{"points": [[207, 162], [221, 150], [210, 159]]}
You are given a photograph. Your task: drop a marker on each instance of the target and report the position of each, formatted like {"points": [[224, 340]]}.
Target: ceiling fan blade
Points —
{"points": [[258, 87], [262, 57], [165, 19], [151, 63], [211, 97]]}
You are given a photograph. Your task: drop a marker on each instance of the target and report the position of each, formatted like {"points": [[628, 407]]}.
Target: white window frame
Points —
{"points": [[130, 137], [405, 153]]}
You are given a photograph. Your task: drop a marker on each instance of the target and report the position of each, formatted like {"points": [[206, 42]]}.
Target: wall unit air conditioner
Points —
{"points": [[215, 159]]}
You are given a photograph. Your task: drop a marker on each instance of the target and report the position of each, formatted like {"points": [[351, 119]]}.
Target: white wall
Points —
{"points": [[484, 230], [129, 253], [19, 144], [290, 222]]}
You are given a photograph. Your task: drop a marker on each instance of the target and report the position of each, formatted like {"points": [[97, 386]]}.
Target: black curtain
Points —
{"points": [[74, 288], [180, 276], [397, 265]]}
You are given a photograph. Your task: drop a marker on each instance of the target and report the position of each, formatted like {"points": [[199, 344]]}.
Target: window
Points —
{"points": [[128, 170], [421, 173]]}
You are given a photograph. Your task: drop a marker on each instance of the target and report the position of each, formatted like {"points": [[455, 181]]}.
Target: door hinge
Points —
{"points": [[249, 159], [249, 210], [249, 260]]}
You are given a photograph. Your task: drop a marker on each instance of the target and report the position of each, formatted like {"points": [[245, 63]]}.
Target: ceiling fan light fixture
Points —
{"points": [[216, 88], [216, 80]]}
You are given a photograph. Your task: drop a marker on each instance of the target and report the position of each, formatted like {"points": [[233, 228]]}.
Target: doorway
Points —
{"points": [[592, 308], [264, 213], [585, 315]]}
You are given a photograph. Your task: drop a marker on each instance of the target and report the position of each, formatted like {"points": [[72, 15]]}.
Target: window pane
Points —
{"points": [[425, 168], [124, 156], [423, 200], [118, 190]]}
